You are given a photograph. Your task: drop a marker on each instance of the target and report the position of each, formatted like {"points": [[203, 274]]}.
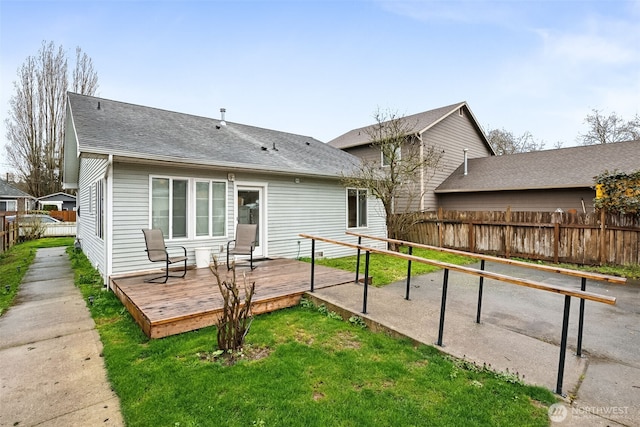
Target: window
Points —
{"points": [[356, 207], [387, 159], [169, 206], [8, 205], [99, 205], [172, 211], [210, 208]]}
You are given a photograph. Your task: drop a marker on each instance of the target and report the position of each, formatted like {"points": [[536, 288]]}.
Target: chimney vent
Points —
{"points": [[222, 122], [466, 171]]}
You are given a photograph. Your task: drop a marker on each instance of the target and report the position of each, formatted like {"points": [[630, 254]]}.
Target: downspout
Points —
{"points": [[419, 136], [466, 169], [108, 226]]}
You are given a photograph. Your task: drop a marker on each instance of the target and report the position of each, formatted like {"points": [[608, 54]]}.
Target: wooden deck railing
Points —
{"points": [[561, 290]]}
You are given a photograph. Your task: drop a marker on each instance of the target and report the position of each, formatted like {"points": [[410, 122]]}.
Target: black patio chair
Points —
{"points": [[244, 243], [157, 252]]}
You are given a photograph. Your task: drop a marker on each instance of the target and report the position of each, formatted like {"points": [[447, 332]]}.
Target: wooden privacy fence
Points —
{"points": [[592, 238], [8, 234], [66, 216]]}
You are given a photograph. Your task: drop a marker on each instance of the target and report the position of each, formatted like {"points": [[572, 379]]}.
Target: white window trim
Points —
{"points": [[191, 207], [99, 208], [358, 190], [14, 202], [192, 231], [398, 157], [171, 178]]}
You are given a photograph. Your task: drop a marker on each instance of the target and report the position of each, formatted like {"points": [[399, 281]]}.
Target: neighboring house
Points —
{"points": [[536, 181], [451, 129], [13, 199], [61, 201], [193, 177]]}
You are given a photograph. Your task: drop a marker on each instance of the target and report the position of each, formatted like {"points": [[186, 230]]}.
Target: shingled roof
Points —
{"points": [[8, 191], [104, 126], [416, 124], [573, 167]]}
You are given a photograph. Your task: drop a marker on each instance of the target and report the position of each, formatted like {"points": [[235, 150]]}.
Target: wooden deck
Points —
{"points": [[195, 302]]}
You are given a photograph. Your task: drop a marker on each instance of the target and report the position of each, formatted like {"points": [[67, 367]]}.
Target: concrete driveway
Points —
{"points": [[520, 330]]}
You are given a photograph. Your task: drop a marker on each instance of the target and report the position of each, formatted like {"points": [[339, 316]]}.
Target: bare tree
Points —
{"points": [[399, 178], [607, 129], [505, 142], [35, 126], [85, 79], [236, 317]]}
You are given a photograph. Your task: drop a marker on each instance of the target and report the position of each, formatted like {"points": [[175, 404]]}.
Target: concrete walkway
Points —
{"points": [[520, 330], [51, 369]]}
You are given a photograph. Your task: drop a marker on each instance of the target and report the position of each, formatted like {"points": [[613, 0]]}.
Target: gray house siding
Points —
{"points": [[312, 205], [91, 170], [131, 189], [524, 200], [452, 135], [68, 201]]}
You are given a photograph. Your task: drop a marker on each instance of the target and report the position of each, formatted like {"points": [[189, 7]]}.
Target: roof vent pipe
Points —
{"points": [[465, 161], [222, 122]]}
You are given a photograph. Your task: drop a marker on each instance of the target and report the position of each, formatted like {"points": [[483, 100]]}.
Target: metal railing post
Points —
{"points": [[366, 282], [563, 343], [358, 259], [583, 287], [480, 288], [443, 306], [409, 273], [313, 262]]}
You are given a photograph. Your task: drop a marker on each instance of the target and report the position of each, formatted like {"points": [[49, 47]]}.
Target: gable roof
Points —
{"points": [[8, 191], [59, 196], [572, 167], [417, 124], [129, 131]]}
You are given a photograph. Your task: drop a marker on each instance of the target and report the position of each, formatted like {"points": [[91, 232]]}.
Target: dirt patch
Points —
{"points": [[304, 337], [344, 340], [249, 354]]}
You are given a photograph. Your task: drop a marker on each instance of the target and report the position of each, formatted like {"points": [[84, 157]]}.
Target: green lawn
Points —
{"points": [[316, 370], [15, 262], [386, 269]]}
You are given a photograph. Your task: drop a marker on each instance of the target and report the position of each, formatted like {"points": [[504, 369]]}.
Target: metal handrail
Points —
{"points": [[542, 267], [567, 292], [583, 275]]}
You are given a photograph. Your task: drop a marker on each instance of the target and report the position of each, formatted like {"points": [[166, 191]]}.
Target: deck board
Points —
{"points": [[195, 302]]}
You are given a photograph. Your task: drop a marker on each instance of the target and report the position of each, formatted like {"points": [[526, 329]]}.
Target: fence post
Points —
{"points": [[443, 306], [440, 226], [603, 237], [507, 234], [409, 273], [556, 242], [366, 282], [563, 343]]}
